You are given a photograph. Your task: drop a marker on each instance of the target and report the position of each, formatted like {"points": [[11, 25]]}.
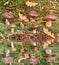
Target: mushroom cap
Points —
{"points": [[9, 8], [13, 49], [12, 25], [33, 14], [50, 17], [34, 48], [32, 60], [7, 60], [7, 15], [34, 26], [50, 59]]}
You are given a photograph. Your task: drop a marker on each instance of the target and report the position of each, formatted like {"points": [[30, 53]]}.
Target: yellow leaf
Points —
{"points": [[22, 17], [46, 31], [45, 45], [31, 4], [47, 42]]}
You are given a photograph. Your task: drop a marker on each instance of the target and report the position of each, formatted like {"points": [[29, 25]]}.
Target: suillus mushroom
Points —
{"points": [[12, 27], [32, 14], [13, 49], [8, 59], [34, 27], [50, 58], [9, 8], [49, 19], [7, 16], [34, 48], [32, 60]]}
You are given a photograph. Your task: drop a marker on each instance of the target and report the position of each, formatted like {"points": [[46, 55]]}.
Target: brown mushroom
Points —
{"points": [[50, 58], [49, 19], [12, 27], [33, 15], [10, 8], [32, 60], [34, 27], [7, 16], [34, 48], [8, 59]]}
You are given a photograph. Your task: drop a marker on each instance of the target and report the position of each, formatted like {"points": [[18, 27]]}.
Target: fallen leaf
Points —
{"points": [[47, 43], [22, 17], [31, 4], [49, 33]]}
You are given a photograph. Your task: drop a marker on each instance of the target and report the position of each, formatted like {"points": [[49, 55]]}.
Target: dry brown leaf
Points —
{"points": [[47, 42], [22, 17], [45, 45], [46, 31], [31, 4]]}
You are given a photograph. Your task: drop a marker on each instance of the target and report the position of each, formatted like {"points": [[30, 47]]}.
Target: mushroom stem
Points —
{"points": [[34, 31], [7, 22], [49, 24], [21, 24], [2, 36], [12, 30], [10, 63], [32, 19], [13, 47], [12, 27], [34, 43], [6, 3], [7, 53]]}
